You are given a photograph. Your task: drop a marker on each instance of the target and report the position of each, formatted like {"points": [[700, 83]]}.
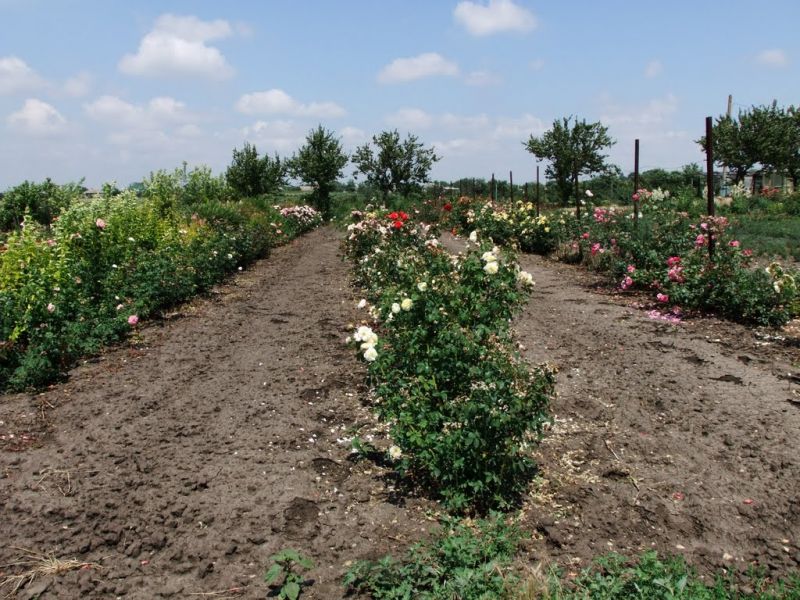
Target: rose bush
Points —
{"points": [[67, 290], [463, 407]]}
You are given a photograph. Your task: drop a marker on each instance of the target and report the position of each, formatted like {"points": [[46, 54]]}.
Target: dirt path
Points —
{"points": [[181, 464], [681, 437]]}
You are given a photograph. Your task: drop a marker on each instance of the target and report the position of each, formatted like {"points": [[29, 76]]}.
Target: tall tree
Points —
{"points": [[573, 149], [249, 176], [394, 165], [320, 162]]}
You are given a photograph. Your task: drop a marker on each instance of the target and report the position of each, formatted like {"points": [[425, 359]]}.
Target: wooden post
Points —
{"points": [[710, 181], [538, 193], [636, 183], [492, 190], [511, 185], [526, 192]]}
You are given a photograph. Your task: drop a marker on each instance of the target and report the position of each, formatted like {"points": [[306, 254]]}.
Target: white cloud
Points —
{"points": [[79, 85], [178, 45], [653, 69], [410, 118], [144, 125], [482, 78], [37, 118], [277, 102], [655, 112], [664, 143], [159, 111], [16, 76], [496, 17], [352, 135], [774, 58], [282, 136], [429, 64]]}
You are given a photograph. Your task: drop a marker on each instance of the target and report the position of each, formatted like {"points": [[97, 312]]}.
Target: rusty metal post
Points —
{"points": [[636, 183]]}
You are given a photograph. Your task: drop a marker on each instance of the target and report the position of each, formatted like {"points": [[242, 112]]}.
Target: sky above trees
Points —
{"points": [[112, 91]]}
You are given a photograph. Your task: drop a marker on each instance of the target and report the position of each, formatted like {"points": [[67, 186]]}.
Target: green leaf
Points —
{"points": [[273, 573], [291, 590]]}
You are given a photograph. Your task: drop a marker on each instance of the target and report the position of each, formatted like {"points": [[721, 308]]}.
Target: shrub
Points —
{"points": [[462, 406], [68, 291]]}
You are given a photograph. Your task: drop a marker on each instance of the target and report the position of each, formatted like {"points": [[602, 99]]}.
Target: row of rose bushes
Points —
{"points": [[105, 264], [463, 408], [664, 251]]}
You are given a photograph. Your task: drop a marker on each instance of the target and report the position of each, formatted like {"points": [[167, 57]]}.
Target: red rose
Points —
{"points": [[398, 224], [403, 215], [448, 207], [394, 216]]}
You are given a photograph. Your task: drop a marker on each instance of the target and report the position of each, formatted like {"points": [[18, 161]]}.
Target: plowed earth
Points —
{"points": [[176, 465]]}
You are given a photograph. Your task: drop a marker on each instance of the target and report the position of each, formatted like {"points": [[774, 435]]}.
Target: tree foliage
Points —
{"points": [[394, 164], [250, 175], [574, 148], [320, 162], [768, 136]]}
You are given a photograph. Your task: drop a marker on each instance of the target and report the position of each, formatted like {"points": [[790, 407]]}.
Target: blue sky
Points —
{"points": [[113, 90]]}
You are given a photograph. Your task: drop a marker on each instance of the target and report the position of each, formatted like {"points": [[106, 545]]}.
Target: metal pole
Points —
{"points": [[710, 181], [636, 183], [724, 180]]}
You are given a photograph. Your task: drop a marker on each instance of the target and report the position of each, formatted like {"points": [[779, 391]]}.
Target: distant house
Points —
{"points": [[757, 180]]}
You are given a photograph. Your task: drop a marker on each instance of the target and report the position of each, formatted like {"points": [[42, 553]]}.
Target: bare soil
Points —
{"points": [[176, 465], [681, 437]]}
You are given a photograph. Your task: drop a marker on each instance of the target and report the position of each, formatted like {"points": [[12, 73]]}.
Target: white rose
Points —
{"points": [[491, 267], [362, 303], [395, 307], [489, 257], [422, 286], [525, 278], [473, 237], [406, 304], [370, 354], [395, 452]]}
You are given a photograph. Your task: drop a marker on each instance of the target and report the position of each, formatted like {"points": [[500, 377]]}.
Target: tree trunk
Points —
{"points": [[577, 196]]}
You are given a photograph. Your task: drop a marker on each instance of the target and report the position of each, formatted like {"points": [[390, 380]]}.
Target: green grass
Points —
{"points": [[769, 236]]}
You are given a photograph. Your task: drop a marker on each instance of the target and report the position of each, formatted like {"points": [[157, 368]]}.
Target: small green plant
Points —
{"points": [[465, 559], [284, 568]]}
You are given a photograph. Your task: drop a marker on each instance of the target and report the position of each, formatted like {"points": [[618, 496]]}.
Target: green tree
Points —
{"points": [[735, 143], [249, 176], [779, 148], [394, 165], [573, 149], [320, 162]]}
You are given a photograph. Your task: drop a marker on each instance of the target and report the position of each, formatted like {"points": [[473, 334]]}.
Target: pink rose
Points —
{"points": [[100, 223], [595, 248], [733, 243], [700, 240], [631, 269], [585, 235], [626, 283], [662, 298], [133, 320], [673, 261]]}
